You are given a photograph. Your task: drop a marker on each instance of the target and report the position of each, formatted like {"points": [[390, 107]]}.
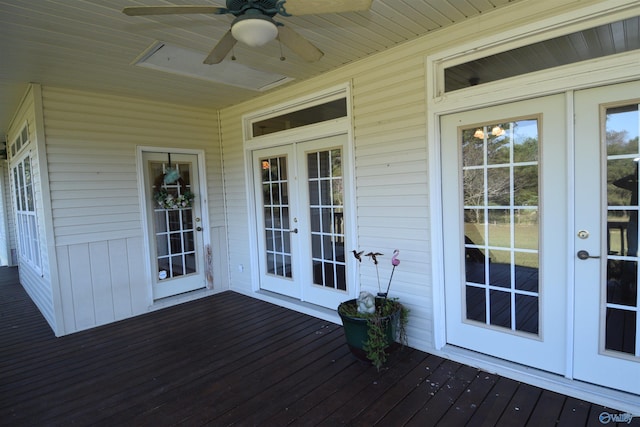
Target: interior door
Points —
{"points": [[504, 191], [301, 190], [174, 218], [607, 308]]}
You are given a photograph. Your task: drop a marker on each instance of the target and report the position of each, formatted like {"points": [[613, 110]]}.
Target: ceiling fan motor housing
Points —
{"points": [[266, 7]]}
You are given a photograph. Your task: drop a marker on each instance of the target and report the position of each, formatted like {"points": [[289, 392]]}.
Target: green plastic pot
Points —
{"points": [[356, 330]]}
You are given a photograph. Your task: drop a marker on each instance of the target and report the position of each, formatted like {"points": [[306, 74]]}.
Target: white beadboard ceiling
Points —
{"points": [[91, 45]]}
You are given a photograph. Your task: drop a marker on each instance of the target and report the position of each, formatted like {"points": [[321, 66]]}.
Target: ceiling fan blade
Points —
{"points": [[313, 7], [298, 44], [171, 10], [221, 49]]}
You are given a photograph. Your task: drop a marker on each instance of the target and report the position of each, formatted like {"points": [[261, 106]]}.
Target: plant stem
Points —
{"points": [[390, 278]]}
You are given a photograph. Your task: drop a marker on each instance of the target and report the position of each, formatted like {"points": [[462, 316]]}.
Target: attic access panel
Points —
{"points": [[177, 60], [609, 39]]}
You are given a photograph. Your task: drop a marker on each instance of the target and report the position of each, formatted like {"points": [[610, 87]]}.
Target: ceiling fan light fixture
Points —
{"points": [[254, 30]]}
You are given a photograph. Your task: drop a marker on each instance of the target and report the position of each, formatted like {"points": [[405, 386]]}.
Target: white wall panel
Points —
{"points": [[98, 228]]}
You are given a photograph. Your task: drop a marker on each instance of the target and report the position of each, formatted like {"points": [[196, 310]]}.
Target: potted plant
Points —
{"points": [[374, 325]]}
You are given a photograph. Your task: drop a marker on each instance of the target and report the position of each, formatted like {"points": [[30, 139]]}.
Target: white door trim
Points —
{"points": [[202, 177]]}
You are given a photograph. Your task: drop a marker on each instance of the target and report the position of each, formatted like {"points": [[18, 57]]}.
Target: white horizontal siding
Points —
{"points": [[389, 117], [92, 142], [236, 203]]}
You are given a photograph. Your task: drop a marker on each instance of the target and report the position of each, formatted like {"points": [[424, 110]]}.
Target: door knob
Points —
{"points": [[295, 230], [585, 255]]}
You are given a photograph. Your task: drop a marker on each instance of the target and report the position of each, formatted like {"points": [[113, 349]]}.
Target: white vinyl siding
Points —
{"points": [[389, 116], [99, 238]]}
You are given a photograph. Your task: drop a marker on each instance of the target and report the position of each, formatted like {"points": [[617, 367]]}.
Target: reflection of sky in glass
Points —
{"points": [[525, 129], [627, 121]]}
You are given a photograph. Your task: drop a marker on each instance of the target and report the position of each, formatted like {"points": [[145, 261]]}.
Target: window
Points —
{"points": [[597, 42], [20, 141], [26, 222], [307, 116]]}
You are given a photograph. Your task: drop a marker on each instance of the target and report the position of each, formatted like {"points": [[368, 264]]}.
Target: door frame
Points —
{"points": [[566, 79], [317, 131], [202, 196]]}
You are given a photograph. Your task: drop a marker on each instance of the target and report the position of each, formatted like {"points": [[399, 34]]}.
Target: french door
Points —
{"points": [[541, 253], [174, 218], [504, 193], [300, 195], [607, 324]]}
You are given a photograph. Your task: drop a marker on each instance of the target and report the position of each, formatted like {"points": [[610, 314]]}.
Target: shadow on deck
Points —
{"points": [[230, 359]]}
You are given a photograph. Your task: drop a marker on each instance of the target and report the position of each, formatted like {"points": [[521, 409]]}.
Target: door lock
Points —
{"points": [[582, 254]]}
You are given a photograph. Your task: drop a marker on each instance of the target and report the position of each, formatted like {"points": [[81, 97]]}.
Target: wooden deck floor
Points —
{"points": [[233, 360]]}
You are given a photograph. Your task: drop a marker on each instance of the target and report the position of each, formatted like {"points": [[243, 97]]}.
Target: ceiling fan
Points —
{"points": [[254, 24]]}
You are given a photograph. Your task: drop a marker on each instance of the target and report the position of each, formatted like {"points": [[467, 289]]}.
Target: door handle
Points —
{"points": [[585, 255], [295, 230]]}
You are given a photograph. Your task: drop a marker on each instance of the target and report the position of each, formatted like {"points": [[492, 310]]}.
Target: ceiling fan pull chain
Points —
{"points": [[282, 58]]}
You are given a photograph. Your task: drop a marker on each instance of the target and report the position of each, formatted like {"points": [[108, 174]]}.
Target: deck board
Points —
{"points": [[233, 360]]}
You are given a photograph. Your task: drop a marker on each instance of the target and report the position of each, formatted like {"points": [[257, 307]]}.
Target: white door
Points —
{"points": [[277, 220], [174, 218], [505, 208], [301, 191], [607, 308]]}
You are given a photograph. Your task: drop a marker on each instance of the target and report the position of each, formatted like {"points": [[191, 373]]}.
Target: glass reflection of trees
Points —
{"points": [[623, 155], [500, 190]]}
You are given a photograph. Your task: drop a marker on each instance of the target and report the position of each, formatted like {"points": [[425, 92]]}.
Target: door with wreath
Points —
{"points": [[174, 223]]}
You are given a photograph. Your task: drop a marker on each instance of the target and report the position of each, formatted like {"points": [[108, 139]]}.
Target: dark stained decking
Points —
{"points": [[233, 360]]}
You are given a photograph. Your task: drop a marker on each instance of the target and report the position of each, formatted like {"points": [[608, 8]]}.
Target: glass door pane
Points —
{"points": [[500, 188], [173, 220], [275, 205], [326, 211], [623, 155]]}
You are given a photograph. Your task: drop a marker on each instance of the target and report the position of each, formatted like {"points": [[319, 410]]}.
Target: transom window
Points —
{"points": [[329, 110], [608, 39], [21, 141]]}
